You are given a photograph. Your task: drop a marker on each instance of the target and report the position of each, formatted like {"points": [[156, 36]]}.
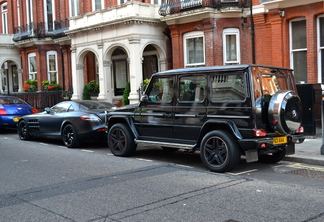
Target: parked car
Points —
{"points": [[223, 112], [12, 109], [72, 121]]}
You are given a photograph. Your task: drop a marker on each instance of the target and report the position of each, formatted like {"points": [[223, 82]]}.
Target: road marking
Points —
{"points": [[88, 151], [45, 144], [300, 166], [183, 165], [243, 172], [144, 160]]}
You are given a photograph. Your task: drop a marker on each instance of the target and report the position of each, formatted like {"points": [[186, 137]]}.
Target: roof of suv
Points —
{"points": [[215, 68]]}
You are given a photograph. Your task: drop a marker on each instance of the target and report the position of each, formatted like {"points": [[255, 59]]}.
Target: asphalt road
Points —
{"points": [[44, 181]]}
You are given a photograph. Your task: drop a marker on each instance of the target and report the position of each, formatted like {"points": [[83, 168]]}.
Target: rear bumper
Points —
{"points": [[259, 143]]}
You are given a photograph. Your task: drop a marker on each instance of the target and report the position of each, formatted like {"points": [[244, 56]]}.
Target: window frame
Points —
{"points": [[74, 7], [292, 51], [32, 75], [30, 15], [49, 72], [124, 1], [320, 52], [4, 17], [48, 27], [227, 32], [192, 35], [94, 5], [160, 2]]}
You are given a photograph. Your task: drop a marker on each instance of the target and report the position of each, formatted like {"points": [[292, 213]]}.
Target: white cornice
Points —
{"points": [[288, 3]]}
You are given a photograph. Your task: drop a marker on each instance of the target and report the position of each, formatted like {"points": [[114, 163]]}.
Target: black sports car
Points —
{"points": [[72, 121]]}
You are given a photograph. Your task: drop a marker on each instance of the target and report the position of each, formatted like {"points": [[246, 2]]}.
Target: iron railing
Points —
{"points": [[177, 6], [41, 30]]}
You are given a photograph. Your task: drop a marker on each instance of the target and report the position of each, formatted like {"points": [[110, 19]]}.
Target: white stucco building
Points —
{"points": [[126, 43]]}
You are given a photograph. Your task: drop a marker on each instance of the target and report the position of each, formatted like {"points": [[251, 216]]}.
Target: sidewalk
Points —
{"points": [[308, 152]]}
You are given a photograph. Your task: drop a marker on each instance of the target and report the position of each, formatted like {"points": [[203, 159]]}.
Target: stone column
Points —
{"points": [[135, 68]]}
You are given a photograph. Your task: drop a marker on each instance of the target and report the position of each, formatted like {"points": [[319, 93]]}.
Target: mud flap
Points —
{"points": [[251, 156], [290, 148]]}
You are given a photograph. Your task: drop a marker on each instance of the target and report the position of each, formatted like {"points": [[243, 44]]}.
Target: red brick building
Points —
{"points": [[39, 42]]}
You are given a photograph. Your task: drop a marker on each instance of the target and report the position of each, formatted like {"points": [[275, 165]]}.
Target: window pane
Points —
{"points": [[162, 90], [32, 64], [231, 52], [300, 66], [52, 63], [228, 87], [98, 4], [299, 34], [321, 24], [195, 52], [192, 88]]}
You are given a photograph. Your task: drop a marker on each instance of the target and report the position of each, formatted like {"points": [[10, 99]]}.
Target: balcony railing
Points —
{"points": [[178, 6], [41, 30]]}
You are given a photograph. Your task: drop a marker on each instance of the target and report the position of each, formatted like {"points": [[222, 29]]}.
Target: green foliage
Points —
{"points": [[126, 94], [145, 83], [90, 87]]}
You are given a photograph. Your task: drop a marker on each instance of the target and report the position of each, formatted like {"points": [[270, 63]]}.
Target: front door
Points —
{"points": [[154, 119]]}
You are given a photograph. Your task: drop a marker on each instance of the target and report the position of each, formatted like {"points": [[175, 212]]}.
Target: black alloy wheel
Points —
{"points": [[121, 140], [23, 130], [69, 136], [219, 151]]}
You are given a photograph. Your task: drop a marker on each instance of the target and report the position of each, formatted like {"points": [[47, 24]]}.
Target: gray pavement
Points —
{"points": [[308, 152]]}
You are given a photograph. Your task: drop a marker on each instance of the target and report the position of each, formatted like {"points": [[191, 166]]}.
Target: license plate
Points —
{"points": [[16, 119], [279, 140]]}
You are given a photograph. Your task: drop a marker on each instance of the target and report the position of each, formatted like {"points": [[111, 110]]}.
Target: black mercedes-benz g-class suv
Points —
{"points": [[223, 112]]}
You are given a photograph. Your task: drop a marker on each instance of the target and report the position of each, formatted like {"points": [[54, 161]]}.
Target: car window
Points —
{"points": [[192, 88], [162, 90], [228, 87], [60, 108], [11, 100]]}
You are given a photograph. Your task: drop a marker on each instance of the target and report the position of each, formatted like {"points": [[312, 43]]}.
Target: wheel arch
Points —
{"points": [[225, 125], [121, 119]]}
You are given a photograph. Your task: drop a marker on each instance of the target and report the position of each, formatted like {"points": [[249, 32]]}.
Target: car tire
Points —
{"points": [[272, 157], [219, 151], [23, 130], [121, 140], [69, 136]]}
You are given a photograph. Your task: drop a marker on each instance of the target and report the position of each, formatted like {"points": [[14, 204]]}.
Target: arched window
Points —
{"points": [[4, 12], [32, 68]]}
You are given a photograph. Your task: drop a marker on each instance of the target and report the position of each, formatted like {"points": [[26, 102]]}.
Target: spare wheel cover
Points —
{"points": [[285, 110]]}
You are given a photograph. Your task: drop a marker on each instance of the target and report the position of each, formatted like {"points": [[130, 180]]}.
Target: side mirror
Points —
{"points": [[48, 110], [144, 99]]}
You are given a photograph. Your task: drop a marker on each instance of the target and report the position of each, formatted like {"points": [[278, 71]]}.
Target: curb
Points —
{"points": [[305, 159]]}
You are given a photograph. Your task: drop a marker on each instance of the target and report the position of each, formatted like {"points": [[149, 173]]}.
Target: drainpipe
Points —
{"points": [[252, 32]]}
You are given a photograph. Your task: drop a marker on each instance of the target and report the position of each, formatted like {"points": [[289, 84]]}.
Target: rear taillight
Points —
{"points": [[90, 117], [300, 129], [3, 112], [259, 132], [34, 110]]}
